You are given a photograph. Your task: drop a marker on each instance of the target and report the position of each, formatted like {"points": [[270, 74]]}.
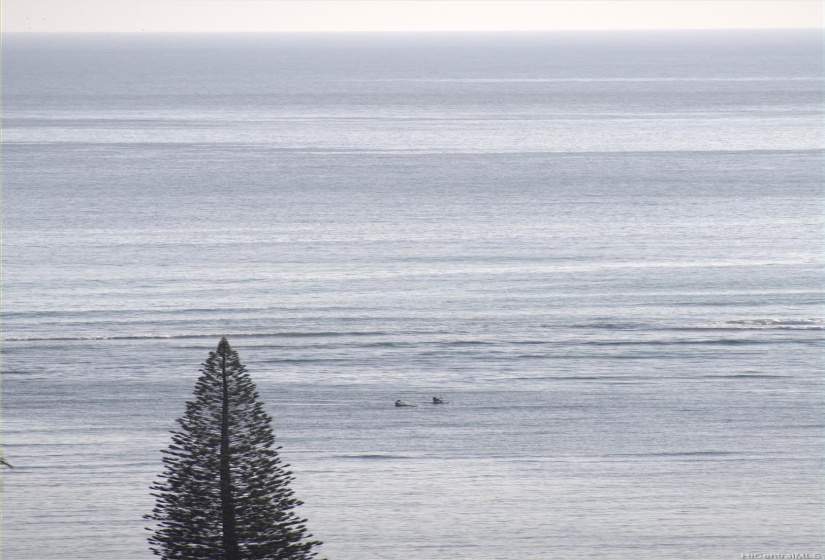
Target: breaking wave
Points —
{"points": [[798, 324]]}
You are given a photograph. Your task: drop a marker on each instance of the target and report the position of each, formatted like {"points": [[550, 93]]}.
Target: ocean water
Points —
{"points": [[603, 249]]}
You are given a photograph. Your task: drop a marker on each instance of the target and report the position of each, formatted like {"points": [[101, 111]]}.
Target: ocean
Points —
{"points": [[603, 249]]}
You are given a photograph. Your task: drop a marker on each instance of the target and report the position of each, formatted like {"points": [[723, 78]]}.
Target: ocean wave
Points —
{"points": [[591, 80], [373, 456], [611, 325], [578, 378], [812, 323], [696, 453], [185, 336], [460, 343], [746, 376], [679, 342]]}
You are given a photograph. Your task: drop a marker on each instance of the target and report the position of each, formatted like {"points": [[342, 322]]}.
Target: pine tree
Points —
{"points": [[224, 493]]}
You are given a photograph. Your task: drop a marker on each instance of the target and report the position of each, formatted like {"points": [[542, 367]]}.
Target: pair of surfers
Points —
{"points": [[436, 400]]}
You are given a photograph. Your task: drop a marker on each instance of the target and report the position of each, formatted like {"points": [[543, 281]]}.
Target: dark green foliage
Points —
{"points": [[224, 493]]}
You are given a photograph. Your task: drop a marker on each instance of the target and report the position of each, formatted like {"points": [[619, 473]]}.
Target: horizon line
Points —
{"points": [[403, 31]]}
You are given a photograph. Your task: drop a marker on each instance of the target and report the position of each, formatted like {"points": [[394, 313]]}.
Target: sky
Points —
{"points": [[402, 15]]}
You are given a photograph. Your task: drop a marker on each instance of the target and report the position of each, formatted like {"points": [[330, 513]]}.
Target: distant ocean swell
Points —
{"points": [[185, 336], [808, 324], [745, 324]]}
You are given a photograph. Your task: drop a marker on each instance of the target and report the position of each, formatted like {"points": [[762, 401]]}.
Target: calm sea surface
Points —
{"points": [[602, 249]]}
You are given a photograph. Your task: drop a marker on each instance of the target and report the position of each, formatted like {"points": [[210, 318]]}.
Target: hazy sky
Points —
{"points": [[403, 15]]}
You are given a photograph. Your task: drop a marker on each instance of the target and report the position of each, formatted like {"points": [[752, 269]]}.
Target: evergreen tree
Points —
{"points": [[224, 493]]}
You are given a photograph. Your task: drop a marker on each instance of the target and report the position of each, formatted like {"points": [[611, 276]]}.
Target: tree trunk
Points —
{"points": [[230, 537]]}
